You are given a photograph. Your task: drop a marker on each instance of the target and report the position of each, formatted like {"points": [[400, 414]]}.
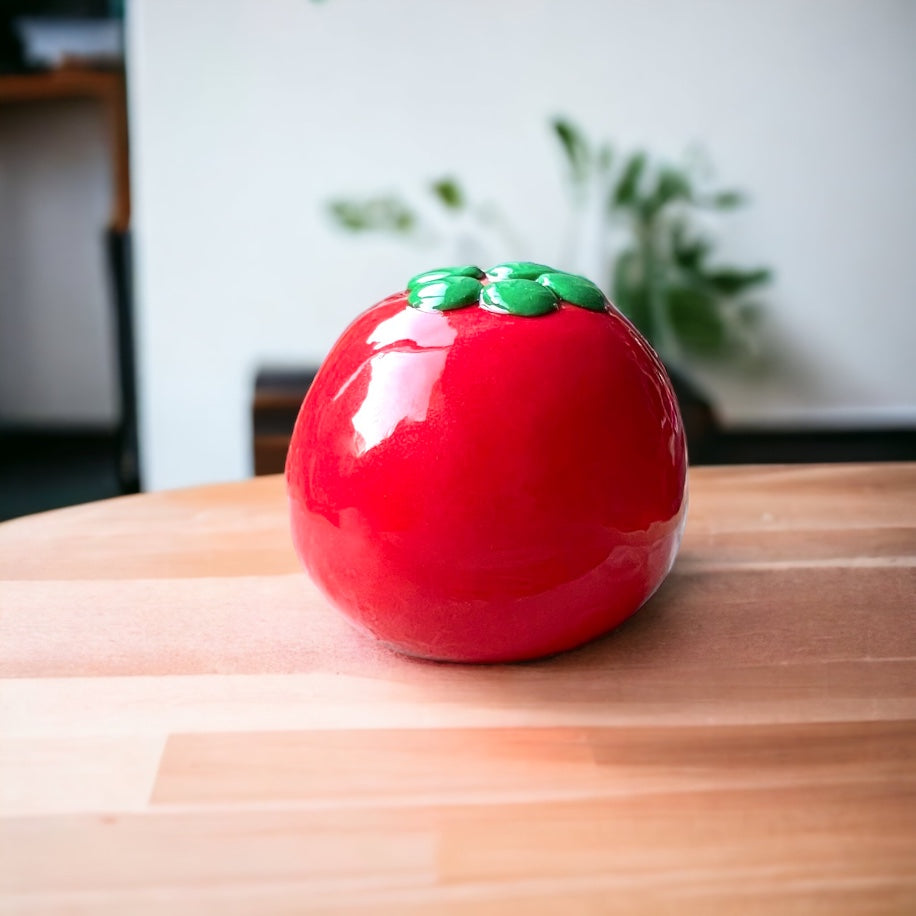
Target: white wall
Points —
{"points": [[248, 116], [57, 356]]}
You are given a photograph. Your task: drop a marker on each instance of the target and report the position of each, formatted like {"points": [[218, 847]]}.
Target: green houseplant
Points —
{"points": [[663, 274], [654, 227]]}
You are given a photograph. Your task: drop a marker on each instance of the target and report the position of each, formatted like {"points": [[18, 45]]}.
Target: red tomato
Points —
{"points": [[489, 482]]}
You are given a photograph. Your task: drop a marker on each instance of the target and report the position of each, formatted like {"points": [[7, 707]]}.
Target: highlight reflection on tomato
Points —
{"points": [[489, 467]]}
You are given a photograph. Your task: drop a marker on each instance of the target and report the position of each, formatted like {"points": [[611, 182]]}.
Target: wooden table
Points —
{"points": [[187, 726]]}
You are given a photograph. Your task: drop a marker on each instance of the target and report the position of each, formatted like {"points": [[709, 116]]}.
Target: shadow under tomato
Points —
{"points": [[625, 669]]}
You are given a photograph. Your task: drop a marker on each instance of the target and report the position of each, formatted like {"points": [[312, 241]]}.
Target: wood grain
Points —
{"points": [[186, 726]]}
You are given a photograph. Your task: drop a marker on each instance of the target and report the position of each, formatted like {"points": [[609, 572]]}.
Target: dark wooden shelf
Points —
{"points": [[104, 86], [65, 83], [279, 393]]}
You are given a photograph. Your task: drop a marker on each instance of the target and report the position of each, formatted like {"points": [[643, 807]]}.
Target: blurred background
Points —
{"points": [[196, 197]]}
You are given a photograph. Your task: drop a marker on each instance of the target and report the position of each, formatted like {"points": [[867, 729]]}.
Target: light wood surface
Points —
{"points": [[186, 726]]}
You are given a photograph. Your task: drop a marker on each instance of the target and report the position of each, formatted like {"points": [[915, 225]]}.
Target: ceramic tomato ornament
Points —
{"points": [[489, 466]]}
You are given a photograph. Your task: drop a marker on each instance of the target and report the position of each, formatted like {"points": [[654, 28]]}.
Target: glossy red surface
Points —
{"points": [[482, 487]]}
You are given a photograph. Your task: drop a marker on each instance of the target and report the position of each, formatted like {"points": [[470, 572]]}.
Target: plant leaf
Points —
{"points": [[688, 253], [605, 157], [672, 185], [748, 315], [575, 147], [695, 321], [625, 192], [729, 281], [631, 292], [449, 193], [347, 214], [726, 200], [374, 214]]}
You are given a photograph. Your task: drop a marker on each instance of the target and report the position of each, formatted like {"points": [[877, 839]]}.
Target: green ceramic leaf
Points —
{"points": [[519, 297], [462, 270], [518, 270], [575, 289], [450, 292]]}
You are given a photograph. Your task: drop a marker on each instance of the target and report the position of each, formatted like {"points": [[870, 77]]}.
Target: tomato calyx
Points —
{"points": [[522, 288]]}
